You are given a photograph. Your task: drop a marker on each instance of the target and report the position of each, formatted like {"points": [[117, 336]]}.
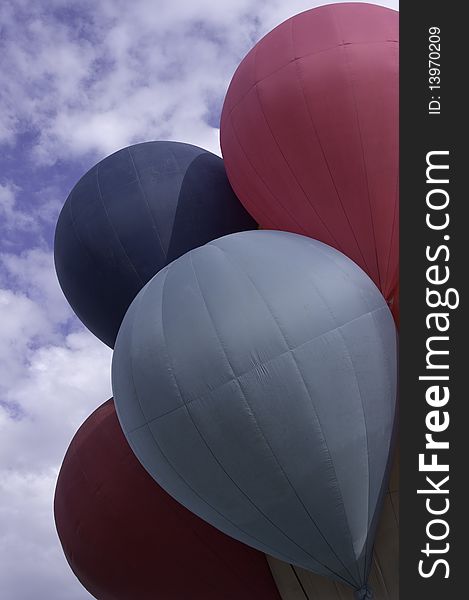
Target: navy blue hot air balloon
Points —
{"points": [[255, 379], [132, 214]]}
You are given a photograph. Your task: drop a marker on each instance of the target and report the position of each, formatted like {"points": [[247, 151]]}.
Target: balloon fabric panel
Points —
{"points": [[242, 358], [295, 583], [309, 132], [130, 215], [126, 539]]}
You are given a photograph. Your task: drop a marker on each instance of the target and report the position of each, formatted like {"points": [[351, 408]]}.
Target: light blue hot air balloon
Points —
{"points": [[255, 379]]}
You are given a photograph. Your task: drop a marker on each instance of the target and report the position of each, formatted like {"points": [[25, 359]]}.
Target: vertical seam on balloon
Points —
{"points": [[238, 102], [257, 424], [228, 566], [236, 380], [357, 267], [394, 221], [371, 312], [262, 179], [131, 314], [241, 193], [94, 261], [254, 65], [390, 387], [259, 365], [256, 87], [299, 582], [78, 237], [388, 378], [367, 453], [363, 152], [233, 129], [326, 162], [312, 405], [189, 194], [112, 226], [174, 470], [364, 421], [185, 405], [147, 203], [260, 431], [364, 166], [309, 394]]}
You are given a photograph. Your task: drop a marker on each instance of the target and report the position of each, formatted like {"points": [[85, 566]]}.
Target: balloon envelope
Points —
{"points": [[126, 539], [295, 583], [129, 216], [309, 132], [255, 379]]}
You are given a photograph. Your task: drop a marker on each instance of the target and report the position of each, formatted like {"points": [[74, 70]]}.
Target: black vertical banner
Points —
{"points": [[434, 365]]}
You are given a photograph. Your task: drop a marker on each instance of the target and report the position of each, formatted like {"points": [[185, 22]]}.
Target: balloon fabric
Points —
{"points": [[309, 132], [255, 379], [126, 539], [395, 307], [129, 216], [299, 584]]}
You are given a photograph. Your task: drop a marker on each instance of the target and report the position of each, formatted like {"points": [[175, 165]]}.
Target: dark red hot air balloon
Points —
{"points": [[127, 539], [309, 132]]}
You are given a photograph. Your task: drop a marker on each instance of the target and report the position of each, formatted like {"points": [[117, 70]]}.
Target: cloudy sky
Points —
{"points": [[80, 80]]}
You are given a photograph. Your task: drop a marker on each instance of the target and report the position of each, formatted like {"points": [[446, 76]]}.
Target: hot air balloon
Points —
{"points": [[295, 583], [130, 215], [126, 539], [309, 132], [255, 380]]}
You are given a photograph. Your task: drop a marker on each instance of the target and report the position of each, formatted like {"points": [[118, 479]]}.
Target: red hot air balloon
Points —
{"points": [[309, 132], [127, 539]]}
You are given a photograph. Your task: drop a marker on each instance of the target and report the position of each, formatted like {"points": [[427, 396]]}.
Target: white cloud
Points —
{"points": [[33, 272], [55, 389], [32, 564], [27, 215], [49, 383], [49, 395], [11, 217], [131, 71]]}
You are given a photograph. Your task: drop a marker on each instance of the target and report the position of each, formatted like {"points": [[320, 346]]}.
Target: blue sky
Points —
{"points": [[79, 80]]}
